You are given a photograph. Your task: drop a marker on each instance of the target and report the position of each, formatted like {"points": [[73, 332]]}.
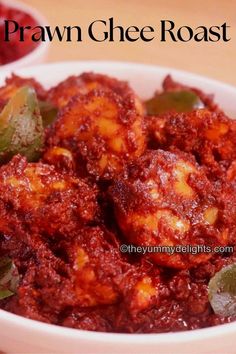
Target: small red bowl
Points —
{"points": [[38, 53]]}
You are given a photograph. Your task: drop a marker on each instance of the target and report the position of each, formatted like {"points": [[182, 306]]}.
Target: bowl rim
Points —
{"points": [[40, 49], [106, 337], [191, 76], [113, 337]]}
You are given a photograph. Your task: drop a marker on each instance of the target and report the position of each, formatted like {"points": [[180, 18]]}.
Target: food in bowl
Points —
{"points": [[116, 215], [14, 49]]}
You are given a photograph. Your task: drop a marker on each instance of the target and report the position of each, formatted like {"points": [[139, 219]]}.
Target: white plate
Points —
{"points": [[21, 335]]}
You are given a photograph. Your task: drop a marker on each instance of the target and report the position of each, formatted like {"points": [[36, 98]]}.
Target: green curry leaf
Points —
{"points": [[9, 278], [48, 112], [21, 127], [222, 291], [173, 101]]}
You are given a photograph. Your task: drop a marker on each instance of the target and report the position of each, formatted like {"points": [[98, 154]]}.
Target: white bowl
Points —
{"points": [[21, 335], [38, 54]]}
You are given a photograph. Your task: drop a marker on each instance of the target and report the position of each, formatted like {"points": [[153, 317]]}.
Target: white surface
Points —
{"points": [[39, 54], [20, 335]]}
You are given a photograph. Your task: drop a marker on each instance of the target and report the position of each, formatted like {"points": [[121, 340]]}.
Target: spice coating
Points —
{"points": [[110, 174]]}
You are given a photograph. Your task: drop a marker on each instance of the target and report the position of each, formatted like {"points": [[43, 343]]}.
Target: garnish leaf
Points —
{"points": [[9, 278], [222, 291], [48, 112], [21, 127], [173, 101]]}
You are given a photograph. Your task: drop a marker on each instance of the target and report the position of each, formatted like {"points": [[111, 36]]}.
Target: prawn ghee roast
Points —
{"points": [[89, 174]]}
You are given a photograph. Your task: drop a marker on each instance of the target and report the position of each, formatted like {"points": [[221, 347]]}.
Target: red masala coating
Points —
{"points": [[97, 263], [166, 200], [182, 305], [104, 277], [183, 302], [62, 159], [84, 274], [64, 235], [91, 319], [102, 130], [35, 197], [61, 94], [226, 189], [46, 288], [209, 136]]}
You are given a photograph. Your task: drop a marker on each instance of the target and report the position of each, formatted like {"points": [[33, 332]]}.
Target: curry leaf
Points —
{"points": [[173, 101], [48, 112], [9, 278], [222, 291], [21, 127]]}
